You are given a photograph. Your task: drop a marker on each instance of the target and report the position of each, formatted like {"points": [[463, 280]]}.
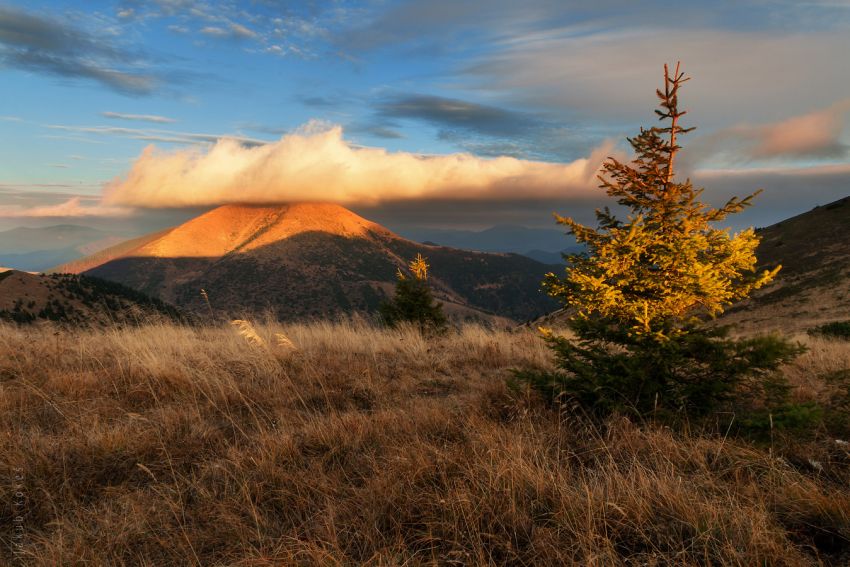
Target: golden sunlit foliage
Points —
{"points": [[419, 267], [665, 263], [644, 287], [413, 301]]}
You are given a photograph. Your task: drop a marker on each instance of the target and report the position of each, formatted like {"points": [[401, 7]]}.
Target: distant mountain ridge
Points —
{"points": [[542, 244], [37, 249], [309, 260]]}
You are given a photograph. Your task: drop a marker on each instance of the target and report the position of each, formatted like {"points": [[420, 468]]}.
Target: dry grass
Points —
{"points": [[164, 445]]}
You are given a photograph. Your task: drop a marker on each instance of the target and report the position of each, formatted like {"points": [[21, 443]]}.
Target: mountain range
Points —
{"points": [[37, 249], [543, 244], [40, 248], [309, 260], [320, 260]]}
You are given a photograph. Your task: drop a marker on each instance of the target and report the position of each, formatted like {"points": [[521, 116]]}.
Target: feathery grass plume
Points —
{"points": [[247, 331], [207, 300], [282, 340]]}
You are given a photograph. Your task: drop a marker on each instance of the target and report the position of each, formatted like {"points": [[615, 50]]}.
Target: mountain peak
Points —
{"points": [[240, 228]]}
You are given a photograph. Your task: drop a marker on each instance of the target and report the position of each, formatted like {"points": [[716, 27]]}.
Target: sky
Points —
{"points": [[444, 113]]}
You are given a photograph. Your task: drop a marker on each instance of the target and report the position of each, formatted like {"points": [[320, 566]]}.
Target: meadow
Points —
{"points": [[166, 444]]}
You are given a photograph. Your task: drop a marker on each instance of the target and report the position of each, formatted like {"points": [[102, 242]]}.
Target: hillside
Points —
{"points": [[79, 300], [813, 286], [309, 260]]}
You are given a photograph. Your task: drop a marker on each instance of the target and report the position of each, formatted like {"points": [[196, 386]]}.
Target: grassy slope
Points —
{"points": [[75, 299], [165, 445], [813, 286]]}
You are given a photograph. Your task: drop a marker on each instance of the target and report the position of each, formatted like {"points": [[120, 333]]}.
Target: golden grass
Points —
{"points": [[164, 445]]}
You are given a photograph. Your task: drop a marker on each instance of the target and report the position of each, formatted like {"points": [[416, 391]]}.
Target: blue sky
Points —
{"points": [[88, 86]]}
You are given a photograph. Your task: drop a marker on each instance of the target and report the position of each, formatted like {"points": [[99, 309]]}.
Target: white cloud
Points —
{"points": [[317, 164], [71, 208], [241, 31], [138, 117], [155, 134], [812, 135], [214, 31], [233, 31]]}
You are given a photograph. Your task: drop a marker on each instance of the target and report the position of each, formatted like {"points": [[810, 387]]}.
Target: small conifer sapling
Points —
{"points": [[413, 301], [643, 289]]}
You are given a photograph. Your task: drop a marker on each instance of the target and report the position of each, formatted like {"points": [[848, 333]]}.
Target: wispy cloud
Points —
{"points": [[457, 114], [72, 138], [138, 117], [157, 135], [232, 31], [484, 129], [787, 192], [815, 134], [239, 31], [812, 135], [384, 131], [282, 29], [46, 45], [584, 63], [73, 207], [264, 128], [452, 25], [215, 31], [603, 76]]}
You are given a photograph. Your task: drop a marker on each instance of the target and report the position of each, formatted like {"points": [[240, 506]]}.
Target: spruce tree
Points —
{"points": [[413, 301], [645, 286]]}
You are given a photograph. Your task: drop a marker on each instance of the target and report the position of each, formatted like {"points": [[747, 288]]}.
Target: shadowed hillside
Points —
{"points": [[75, 299], [813, 286]]}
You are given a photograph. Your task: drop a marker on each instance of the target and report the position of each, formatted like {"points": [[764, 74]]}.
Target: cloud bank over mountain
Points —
{"points": [[318, 164]]}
